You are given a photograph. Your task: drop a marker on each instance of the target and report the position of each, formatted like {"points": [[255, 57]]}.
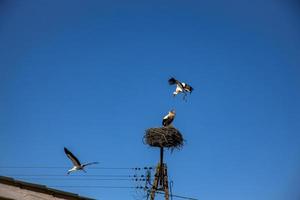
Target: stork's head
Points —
{"points": [[172, 112]]}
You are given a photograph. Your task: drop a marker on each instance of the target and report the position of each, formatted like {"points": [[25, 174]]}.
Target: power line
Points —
{"points": [[177, 196], [86, 179], [56, 167], [60, 175], [93, 186], [116, 187], [82, 179], [65, 167], [73, 176]]}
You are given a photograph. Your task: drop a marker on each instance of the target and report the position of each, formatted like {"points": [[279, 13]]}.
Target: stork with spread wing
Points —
{"points": [[76, 163]]}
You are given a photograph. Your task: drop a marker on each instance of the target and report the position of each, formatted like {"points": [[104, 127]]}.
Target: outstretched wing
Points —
{"points": [[189, 88], [173, 81], [74, 160], [91, 163]]}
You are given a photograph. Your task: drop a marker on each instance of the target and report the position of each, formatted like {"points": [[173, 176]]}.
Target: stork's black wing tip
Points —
{"points": [[66, 150], [164, 122], [172, 81]]}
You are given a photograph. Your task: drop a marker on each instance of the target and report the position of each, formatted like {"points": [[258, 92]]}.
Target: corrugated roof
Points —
{"points": [[41, 188]]}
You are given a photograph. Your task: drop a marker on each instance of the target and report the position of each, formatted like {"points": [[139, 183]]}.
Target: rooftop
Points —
{"points": [[41, 188]]}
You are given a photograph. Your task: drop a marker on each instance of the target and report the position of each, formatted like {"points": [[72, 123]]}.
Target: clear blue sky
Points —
{"points": [[92, 76]]}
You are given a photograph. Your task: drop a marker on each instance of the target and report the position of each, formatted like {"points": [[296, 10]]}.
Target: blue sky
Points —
{"points": [[92, 76]]}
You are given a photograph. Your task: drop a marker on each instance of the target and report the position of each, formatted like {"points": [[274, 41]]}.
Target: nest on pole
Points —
{"points": [[168, 137]]}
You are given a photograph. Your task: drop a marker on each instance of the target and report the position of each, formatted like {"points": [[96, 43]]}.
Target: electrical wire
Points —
{"points": [[94, 186], [60, 175], [177, 196], [75, 176], [85, 179], [65, 167]]}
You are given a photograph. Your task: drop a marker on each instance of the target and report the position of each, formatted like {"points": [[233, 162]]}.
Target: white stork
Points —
{"points": [[76, 163], [180, 87], [168, 119]]}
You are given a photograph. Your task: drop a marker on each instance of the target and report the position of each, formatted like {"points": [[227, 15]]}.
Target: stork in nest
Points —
{"points": [[181, 87], [168, 119]]}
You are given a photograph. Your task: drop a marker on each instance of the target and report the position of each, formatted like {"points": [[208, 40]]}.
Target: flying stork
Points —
{"points": [[180, 87], [168, 119], [76, 162]]}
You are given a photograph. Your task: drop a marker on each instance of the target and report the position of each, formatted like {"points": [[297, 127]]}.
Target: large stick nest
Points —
{"points": [[168, 137]]}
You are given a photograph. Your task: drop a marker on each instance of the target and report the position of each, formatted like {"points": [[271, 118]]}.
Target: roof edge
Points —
{"points": [[41, 188]]}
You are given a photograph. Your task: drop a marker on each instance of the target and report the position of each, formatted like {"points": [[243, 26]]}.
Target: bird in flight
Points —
{"points": [[181, 87], [77, 165], [168, 119]]}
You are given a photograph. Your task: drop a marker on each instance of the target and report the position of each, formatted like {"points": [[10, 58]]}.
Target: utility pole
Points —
{"points": [[160, 182], [162, 137]]}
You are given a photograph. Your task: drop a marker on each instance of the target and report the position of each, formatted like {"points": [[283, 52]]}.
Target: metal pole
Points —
{"points": [[161, 156], [166, 183], [161, 167]]}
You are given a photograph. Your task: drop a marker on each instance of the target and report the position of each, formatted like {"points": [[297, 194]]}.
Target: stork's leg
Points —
{"points": [[69, 172], [175, 93], [184, 96]]}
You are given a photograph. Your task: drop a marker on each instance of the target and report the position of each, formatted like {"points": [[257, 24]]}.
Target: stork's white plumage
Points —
{"points": [[168, 119], [180, 87], [77, 165]]}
